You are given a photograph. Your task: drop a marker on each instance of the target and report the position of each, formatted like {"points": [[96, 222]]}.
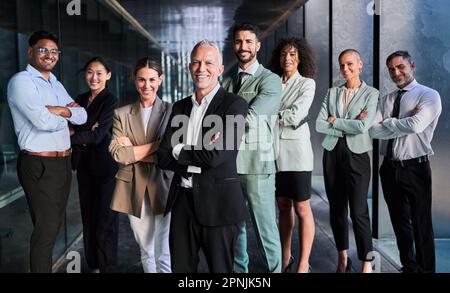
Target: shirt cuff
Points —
{"points": [[79, 115], [177, 150]]}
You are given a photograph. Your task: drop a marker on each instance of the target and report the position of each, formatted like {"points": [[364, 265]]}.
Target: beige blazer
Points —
{"points": [[134, 178]]}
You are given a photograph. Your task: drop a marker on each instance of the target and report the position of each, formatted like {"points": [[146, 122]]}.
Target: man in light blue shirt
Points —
{"points": [[41, 109]]}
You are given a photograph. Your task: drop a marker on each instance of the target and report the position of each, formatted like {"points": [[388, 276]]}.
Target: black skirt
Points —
{"points": [[295, 185]]}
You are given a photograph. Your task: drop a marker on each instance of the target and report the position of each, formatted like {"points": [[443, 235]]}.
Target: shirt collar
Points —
{"points": [[363, 84], [410, 86], [251, 70], [208, 98], [35, 73]]}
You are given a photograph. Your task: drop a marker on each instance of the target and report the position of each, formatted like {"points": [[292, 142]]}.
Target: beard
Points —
{"points": [[245, 60]]}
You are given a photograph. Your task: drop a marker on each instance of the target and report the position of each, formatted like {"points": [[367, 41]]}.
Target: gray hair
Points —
{"points": [[404, 54], [206, 42]]}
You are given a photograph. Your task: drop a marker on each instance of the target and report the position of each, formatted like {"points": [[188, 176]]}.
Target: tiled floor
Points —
{"points": [[323, 257], [15, 229]]}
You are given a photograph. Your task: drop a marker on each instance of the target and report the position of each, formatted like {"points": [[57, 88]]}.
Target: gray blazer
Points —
{"points": [[294, 148]]}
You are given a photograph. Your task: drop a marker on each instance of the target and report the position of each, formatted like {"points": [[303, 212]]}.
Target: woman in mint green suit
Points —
{"points": [[346, 115]]}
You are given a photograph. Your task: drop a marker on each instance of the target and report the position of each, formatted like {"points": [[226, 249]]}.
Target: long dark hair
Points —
{"points": [[307, 66]]}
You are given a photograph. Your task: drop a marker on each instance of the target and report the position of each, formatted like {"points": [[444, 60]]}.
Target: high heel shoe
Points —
{"points": [[349, 265], [288, 268]]}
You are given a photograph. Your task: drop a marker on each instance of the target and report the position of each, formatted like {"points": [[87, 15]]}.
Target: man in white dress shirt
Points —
{"points": [[406, 120]]}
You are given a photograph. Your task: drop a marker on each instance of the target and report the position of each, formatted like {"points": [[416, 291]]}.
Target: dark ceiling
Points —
{"points": [[178, 24]]}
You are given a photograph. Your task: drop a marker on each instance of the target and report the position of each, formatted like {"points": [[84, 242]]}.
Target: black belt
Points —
{"points": [[410, 162]]}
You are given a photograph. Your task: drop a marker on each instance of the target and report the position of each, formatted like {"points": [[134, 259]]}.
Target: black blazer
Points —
{"points": [[93, 145], [217, 193]]}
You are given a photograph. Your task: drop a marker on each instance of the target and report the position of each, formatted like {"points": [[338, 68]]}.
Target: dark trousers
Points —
{"points": [[347, 177], [407, 191], [46, 183], [187, 236], [100, 223]]}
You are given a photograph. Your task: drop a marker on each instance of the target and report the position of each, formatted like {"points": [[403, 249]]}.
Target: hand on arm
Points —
{"points": [[59, 111], [331, 119], [143, 153], [416, 110], [362, 115]]}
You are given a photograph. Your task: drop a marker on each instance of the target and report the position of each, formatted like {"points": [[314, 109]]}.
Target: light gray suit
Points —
{"points": [[294, 145]]}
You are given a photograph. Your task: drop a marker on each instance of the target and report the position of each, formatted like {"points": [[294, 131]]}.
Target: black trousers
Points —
{"points": [[100, 223], [407, 191], [347, 177], [187, 236], [46, 182]]}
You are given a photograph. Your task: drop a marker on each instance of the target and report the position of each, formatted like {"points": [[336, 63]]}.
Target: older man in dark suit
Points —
{"points": [[205, 196]]}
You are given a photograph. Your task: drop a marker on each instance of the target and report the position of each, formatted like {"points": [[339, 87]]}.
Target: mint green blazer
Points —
{"points": [[262, 91], [357, 131]]}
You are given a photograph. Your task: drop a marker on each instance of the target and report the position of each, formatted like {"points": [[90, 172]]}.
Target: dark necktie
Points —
{"points": [[395, 113], [239, 81]]}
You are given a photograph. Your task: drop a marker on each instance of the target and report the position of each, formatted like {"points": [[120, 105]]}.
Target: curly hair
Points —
{"points": [[307, 66]]}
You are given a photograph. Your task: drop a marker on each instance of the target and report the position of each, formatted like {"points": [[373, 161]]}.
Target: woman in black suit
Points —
{"points": [[96, 169]]}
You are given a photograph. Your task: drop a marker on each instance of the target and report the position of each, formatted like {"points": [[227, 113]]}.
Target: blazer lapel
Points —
{"points": [[250, 79], [358, 95], [136, 125], [338, 102], [187, 108], [215, 102], [212, 108], [98, 99]]}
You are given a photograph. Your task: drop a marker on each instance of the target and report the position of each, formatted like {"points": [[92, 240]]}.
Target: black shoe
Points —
{"points": [[309, 269], [289, 266], [349, 265]]}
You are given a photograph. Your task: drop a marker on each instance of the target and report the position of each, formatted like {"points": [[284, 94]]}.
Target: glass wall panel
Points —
{"points": [[421, 27], [317, 33], [98, 31]]}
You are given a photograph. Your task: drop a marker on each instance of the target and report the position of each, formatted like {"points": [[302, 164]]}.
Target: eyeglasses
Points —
{"points": [[45, 51]]}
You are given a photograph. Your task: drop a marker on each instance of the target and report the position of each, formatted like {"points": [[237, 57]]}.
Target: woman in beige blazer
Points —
{"points": [[293, 60], [141, 186]]}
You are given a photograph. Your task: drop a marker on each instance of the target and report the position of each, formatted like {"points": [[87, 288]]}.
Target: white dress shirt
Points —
{"points": [[193, 131], [146, 113], [412, 133], [345, 98]]}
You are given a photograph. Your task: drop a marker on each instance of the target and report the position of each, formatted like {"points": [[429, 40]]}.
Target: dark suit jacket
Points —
{"points": [[93, 145], [217, 194]]}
